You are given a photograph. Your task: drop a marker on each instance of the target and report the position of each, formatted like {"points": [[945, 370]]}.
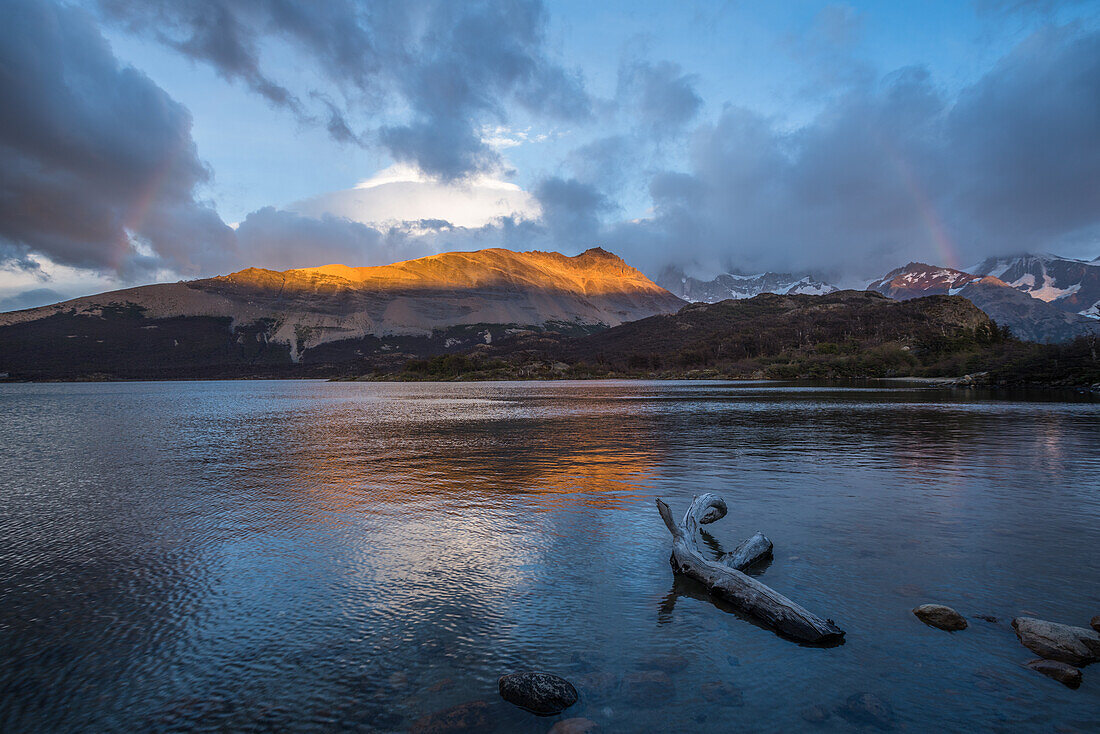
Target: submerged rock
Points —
{"points": [[580, 664], [816, 714], [575, 726], [722, 693], [647, 688], [987, 618], [1074, 645], [940, 617], [399, 680], [466, 717], [1062, 672], [670, 662], [867, 709], [544, 694], [598, 685], [441, 685]]}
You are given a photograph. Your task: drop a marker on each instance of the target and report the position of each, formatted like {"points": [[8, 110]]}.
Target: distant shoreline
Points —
{"points": [[960, 382]]}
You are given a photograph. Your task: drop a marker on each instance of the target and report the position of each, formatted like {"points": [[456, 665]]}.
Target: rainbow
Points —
{"points": [[937, 230], [138, 211]]}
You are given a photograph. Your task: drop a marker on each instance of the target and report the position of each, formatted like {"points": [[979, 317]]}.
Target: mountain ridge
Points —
{"points": [[738, 286], [1066, 283], [1028, 317], [312, 306]]}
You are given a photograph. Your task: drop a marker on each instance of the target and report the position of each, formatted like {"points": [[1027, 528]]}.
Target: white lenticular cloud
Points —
{"points": [[401, 193]]}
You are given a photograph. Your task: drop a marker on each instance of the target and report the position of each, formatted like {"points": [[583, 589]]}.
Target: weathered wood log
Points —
{"points": [[727, 582], [748, 553]]}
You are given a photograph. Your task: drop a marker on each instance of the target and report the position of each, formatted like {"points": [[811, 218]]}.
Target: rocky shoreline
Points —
{"points": [[1062, 649]]}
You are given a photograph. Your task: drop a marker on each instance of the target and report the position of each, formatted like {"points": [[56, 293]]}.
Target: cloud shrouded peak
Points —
{"points": [[894, 171], [453, 67]]}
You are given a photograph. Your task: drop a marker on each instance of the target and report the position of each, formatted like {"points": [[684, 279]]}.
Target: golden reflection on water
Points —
{"points": [[365, 464], [242, 556]]}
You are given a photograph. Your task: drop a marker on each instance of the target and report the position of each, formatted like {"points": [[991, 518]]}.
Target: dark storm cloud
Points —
{"points": [[451, 64], [571, 211], [608, 162], [277, 239], [654, 103], [1028, 135], [336, 123], [893, 172], [660, 93], [93, 153]]}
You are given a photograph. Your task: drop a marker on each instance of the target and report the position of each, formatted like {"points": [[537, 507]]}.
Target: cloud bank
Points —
{"points": [[97, 165], [98, 168], [455, 66], [892, 172]]}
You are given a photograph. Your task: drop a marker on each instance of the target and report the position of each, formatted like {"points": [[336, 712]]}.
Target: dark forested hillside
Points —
{"points": [[839, 335], [845, 334]]}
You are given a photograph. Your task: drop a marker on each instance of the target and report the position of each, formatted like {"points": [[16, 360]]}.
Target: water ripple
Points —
{"points": [[315, 556]]}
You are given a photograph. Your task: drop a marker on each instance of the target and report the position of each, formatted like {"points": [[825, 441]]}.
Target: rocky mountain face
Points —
{"points": [[266, 317], [1028, 317], [919, 279], [732, 285], [1071, 285]]}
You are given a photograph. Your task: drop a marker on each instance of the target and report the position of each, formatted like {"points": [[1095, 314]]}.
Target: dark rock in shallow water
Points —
{"points": [[544, 694], [987, 618], [597, 685], [816, 714], [1062, 672], [462, 719], [721, 693], [580, 664], [867, 709], [575, 726], [940, 617], [670, 663], [647, 688], [1074, 645], [1095, 623], [441, 685]]}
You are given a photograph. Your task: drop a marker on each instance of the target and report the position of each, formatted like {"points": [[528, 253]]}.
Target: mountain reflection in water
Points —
{"points": [[314, 556]]}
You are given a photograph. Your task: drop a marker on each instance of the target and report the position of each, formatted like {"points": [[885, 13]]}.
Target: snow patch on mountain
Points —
{"points": [[1028, 317], [1071, 285], [738, 286]]}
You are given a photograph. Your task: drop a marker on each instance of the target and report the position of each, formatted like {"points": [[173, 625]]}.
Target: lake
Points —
{"points": [[315, 556]]}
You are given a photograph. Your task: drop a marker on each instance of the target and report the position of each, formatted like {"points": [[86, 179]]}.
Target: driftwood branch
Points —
{"points": [[725, 579], [748, 553]]}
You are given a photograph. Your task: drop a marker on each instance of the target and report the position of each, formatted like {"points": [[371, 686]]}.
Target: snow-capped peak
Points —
{"points": [[738, 285], [1071, 285]]}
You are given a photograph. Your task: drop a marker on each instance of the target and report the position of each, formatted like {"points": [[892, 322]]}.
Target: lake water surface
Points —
{"points": [[316, 556]]}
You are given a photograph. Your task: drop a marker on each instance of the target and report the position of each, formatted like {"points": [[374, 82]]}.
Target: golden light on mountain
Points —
{"points": [[593, 272], [307, 307]]}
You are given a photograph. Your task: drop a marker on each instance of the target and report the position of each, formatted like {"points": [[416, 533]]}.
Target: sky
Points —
{"points": [[159, 140]]}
